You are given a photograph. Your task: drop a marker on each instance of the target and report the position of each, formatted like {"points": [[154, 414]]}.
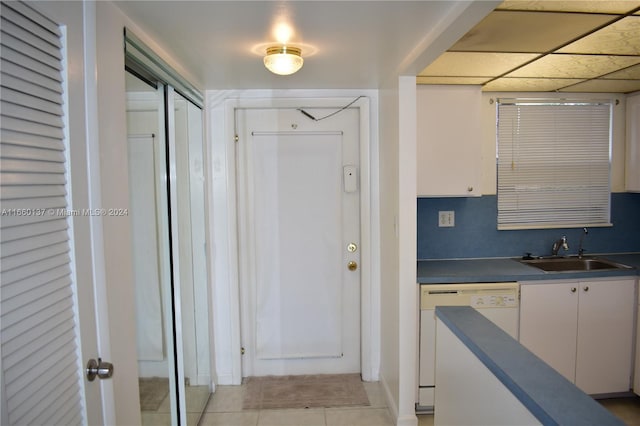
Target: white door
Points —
{"points": [[48, 311], [299, 231]]}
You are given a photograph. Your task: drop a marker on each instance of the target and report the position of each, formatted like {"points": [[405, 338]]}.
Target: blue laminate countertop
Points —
{"points": [[509, 269], [551, 398]]}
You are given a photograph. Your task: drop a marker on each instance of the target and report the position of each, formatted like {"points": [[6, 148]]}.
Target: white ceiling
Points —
{"points": [[358, 44], [346, 44]]}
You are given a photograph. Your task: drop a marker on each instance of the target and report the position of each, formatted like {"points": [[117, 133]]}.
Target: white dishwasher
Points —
{"points": [[497, 301]]}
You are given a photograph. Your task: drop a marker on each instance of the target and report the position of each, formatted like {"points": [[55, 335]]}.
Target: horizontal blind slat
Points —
{"points": [[29, 114], [13, 233], [30, 140], [21, 72], [25, 179], [25, 245], [35, 90], [35, 16], [15, 329], [10, 41]]}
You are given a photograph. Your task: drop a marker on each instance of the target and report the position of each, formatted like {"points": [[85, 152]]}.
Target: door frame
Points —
{"points": [[226, 287]]}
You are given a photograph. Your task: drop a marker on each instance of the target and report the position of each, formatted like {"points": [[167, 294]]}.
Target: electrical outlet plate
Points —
{"points": [[446, 219]]}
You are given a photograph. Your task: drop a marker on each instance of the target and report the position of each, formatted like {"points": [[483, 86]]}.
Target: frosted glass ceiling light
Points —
{"points": [[283, 60]]}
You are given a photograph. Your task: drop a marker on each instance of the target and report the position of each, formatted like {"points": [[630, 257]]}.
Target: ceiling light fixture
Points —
{"points": [[283, 60]]}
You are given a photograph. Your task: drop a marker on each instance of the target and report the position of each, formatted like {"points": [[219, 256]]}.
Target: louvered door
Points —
{"points": [[41, 367]]}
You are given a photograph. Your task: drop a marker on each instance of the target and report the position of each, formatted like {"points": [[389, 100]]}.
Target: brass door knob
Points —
{"points": [[352, 266]]}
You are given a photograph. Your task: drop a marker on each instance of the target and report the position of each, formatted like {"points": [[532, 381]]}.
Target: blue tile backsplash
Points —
{"points": [[475, 234]]}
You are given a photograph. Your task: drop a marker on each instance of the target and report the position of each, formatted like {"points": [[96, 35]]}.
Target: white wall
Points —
{"points": [[488, 116], [389, 246]]}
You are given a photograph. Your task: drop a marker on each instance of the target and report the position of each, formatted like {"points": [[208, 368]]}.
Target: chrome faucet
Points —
{"points": [[585, 231], [561, 243]]}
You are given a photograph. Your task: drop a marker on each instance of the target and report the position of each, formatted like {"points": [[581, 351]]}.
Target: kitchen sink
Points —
{"points": [[573, 264]]}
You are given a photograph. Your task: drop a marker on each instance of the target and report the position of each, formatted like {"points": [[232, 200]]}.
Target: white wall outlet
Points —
{"points": [[446, 219]]}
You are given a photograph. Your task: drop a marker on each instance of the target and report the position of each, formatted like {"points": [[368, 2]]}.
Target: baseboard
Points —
{"points": [[391, 403], [224, 379]]}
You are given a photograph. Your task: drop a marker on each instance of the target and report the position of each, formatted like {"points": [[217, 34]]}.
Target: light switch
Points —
{"points": [[350, 178], [446, 219]]}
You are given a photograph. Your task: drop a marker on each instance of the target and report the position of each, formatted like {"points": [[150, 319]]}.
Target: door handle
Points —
{"points": [[100, 368], [352, 266]]}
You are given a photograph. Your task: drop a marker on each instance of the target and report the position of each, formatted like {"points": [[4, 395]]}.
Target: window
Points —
{"points": [[553, 163]]}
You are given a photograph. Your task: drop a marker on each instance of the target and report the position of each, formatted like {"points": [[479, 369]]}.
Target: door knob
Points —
{"points": [[352, 265], [99, 368]]}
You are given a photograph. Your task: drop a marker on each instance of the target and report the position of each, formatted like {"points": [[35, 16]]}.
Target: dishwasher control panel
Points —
{"points": [[476, 295], [494, 300]]}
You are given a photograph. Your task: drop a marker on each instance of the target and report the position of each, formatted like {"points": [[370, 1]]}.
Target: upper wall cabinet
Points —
{"points": [[632, 171], [449, 145]]}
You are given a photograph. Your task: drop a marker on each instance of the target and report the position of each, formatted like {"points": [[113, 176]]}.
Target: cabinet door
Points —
{"points": [[605, 336], [449, 140], [548, 323]]}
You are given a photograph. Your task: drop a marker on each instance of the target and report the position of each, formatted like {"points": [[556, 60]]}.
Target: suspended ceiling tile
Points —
{"points": [[619, 38], [505, 84], [475, 64], [572, 6], [575, 66], [631, 73], [451, 80], [527, 32], [606, 86]]}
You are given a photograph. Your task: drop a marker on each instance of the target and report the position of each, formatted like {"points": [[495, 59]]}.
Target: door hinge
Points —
{"points": [[236, 138], [242, 351]]}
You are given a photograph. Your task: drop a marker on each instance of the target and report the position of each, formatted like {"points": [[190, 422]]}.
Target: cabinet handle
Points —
{"points": [[573, 289], [470, 189], [586, 288]]}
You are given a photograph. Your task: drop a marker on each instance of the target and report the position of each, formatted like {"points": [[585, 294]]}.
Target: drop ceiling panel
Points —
{"points": [[607, 86], [619, 38], [631, 73], [451, 80], [525, 32], [575, 66], [475, 64], [601, 6], [506, 84]]}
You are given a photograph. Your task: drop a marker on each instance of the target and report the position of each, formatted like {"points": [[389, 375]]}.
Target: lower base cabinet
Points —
{"points": [[583, 329]]}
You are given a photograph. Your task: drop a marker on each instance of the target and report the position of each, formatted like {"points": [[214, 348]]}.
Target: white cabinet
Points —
{"points": [[583, 329], [632, 155], [449, 140]]}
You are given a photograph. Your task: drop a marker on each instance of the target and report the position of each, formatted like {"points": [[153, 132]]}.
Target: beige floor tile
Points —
{"points": [[245, 418], [425, 419], [197, 397], [358, 417], [300, 417], [226, 399], [627, 409], [375, 393], [155, 419]]}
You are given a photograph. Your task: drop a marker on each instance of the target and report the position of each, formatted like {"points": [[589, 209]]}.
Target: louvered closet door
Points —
{"points": [[41, 368]]}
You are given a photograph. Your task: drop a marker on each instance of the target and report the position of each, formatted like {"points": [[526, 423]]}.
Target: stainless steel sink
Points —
{"points": [[573, 264]]}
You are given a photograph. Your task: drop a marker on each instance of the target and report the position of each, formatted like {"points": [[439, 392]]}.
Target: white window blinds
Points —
{"points": [[553, 164], [41, 371]]}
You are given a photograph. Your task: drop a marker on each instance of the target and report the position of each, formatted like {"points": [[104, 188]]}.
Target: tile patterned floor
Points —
{"points": [[225, 409], [196, 396], [627, 409]]}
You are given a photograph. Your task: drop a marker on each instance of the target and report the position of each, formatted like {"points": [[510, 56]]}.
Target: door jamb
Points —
{"points": [[226, 291]]}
